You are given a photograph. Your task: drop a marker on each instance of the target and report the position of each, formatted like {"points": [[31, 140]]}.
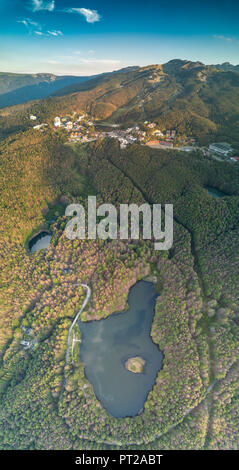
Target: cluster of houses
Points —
{"points": [[146, 134], [67, 124], [125, 137], [142, 135], [80, 130], [83, 130]]}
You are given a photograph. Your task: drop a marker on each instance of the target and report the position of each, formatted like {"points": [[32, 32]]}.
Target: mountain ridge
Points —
{"points": [[195, 99], [19, 88]]}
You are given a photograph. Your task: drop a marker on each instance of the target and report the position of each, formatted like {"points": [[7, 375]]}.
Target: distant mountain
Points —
{"points": [[20, 88], [226, 67]]}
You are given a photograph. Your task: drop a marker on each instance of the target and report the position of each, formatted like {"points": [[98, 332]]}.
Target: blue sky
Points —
{"points": [[87, 37]]}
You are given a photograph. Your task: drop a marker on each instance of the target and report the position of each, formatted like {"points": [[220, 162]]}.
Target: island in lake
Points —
{"points": [[135, 364]]}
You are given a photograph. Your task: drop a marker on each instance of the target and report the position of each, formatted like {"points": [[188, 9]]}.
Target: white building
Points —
{"points": [[158, 133], [32, 117], [57, 121], [221, 148], [123, 143], [81, 117], [69, 125], [39, 126], [26, 344]]}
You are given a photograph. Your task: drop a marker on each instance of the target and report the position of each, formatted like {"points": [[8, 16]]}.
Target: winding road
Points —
{"points": [[87, 298]]}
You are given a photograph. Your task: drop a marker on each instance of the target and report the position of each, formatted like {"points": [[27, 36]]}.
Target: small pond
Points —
{"points": [[108, 343], [40, 241], [215, 192]]}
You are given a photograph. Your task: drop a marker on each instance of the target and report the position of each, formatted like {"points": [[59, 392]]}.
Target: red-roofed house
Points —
{"points": [[152, 142]]}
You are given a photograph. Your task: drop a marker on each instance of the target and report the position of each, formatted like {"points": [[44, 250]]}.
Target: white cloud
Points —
{"points": [[37, 29], [55, 33], [224, 38], [100, 61], [32, 26], [53, 62], [68, 58], [28, 23], [23, 22], [91, 16], [38, 5]]}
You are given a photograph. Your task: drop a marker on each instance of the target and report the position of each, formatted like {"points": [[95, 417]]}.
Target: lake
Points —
{"points": [[40, 241], [215, 192], [108, 343]]}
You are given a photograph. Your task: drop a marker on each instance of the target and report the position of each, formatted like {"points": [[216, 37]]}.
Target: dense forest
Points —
{"points": [[193, 403]]}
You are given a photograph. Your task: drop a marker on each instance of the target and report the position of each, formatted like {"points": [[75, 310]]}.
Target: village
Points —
{"points": [[83, 129]]}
